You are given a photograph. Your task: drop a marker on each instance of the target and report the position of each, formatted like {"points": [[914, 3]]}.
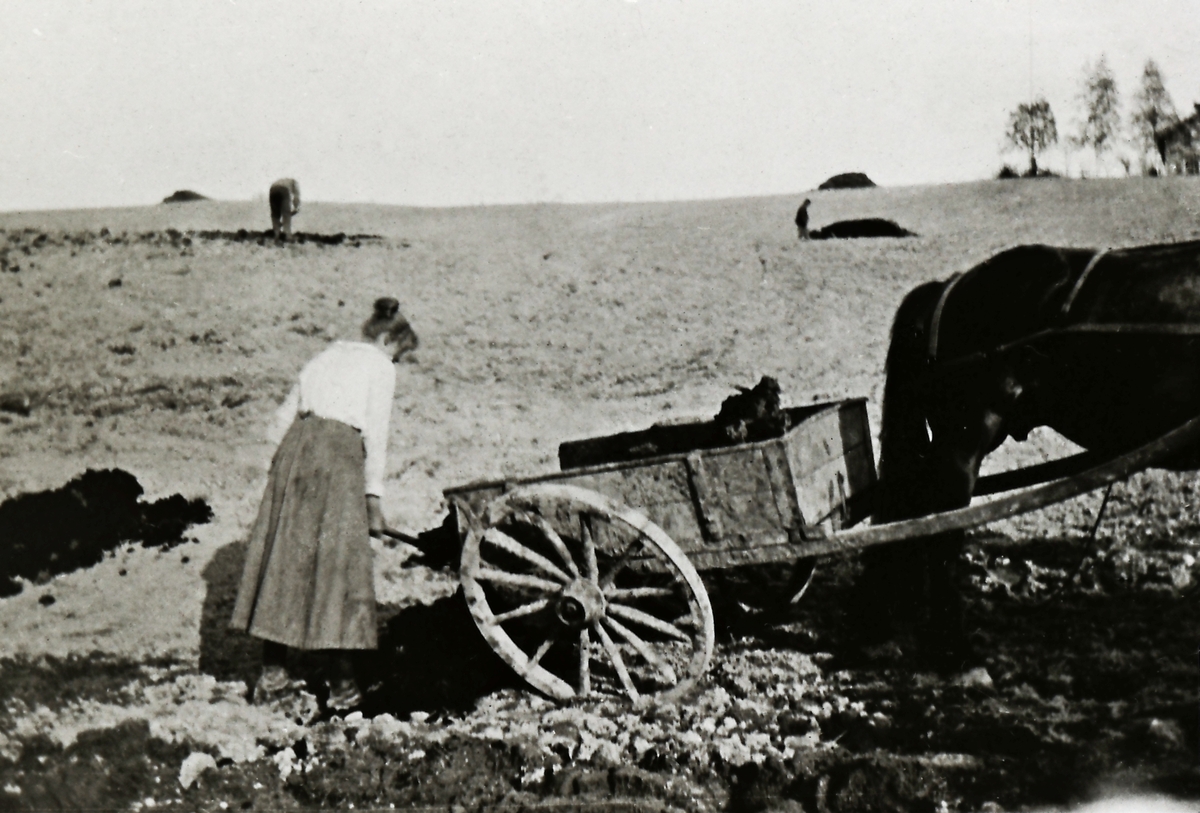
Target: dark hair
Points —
{"points": [[385, 318], [386, 307]]}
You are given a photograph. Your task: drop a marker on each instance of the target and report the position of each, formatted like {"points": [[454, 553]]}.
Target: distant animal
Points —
{"points": [[848, 180], [865, 227], [802, 220], [1101, 346], [284, 198]]}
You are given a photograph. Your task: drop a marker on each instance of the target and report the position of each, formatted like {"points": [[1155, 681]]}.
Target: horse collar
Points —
{"points": [[936, 322], [1087, 269]]}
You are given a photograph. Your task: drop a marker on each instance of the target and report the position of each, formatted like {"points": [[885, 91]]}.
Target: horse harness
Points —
{"points": [[1064, 313]]}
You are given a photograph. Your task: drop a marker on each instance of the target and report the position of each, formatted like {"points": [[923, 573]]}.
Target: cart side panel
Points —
{"points": [[661, 491], [832, 465], [735, 500], [734, 504], [670, 439]]}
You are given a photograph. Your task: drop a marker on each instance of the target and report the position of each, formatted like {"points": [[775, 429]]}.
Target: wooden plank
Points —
{"points": [[860, 485], [783, 487], [816, 458], [813, 443], [768, 549], [1030, 500], [860, 471], [1037, 473], [832, 465], [661, 491], [662, 483], [740, 494], [817, 492], [703, 490], [855, 428]]}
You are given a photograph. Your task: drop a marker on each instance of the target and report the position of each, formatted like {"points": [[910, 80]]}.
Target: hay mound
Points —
{"points": [[183, 196], [848, 180], [867, 227]]}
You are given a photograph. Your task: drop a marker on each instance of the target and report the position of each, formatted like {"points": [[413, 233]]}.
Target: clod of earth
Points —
{"points": [[750, 415], [15, 403], [47, 533], [27, 241], [754, 414]]}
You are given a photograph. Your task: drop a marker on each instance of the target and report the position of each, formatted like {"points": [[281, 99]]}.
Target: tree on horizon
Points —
{"points": [[1101, 103], [1031, 127], [1154, 113]]}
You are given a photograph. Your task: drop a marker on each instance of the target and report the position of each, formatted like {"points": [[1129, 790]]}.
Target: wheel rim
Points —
{"points": [[580, 595]]}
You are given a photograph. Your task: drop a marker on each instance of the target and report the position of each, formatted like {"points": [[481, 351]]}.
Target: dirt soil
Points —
{"points": [[159, 341]]}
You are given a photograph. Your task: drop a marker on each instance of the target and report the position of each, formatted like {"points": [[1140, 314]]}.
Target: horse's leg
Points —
{"points": [[276, 211], [908, 589], [286, 212], [958, 448]]}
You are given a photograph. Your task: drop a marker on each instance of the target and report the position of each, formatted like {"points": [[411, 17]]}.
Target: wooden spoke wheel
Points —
{"points": [[580, 595]]}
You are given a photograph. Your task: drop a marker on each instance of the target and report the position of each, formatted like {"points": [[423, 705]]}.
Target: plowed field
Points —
{"points": [[159, 341]]}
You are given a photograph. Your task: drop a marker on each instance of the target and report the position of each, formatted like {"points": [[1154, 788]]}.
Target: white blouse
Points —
{"points": [[351, 382]]}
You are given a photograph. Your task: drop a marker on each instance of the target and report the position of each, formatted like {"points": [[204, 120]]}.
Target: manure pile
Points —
{"points": [[48, 533]]}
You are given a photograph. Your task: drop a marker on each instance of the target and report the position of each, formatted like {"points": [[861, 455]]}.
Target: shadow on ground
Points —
{"points": [[430, 657], [225, 653]]}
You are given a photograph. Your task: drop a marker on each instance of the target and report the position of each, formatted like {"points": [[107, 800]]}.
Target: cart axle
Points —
{"points": [[580, 604]]}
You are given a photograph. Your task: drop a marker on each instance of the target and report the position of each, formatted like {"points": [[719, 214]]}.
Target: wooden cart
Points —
{"points": [[587, 580]]}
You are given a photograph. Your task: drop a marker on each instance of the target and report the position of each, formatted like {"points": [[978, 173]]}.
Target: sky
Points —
{"points": [[468, 102]]}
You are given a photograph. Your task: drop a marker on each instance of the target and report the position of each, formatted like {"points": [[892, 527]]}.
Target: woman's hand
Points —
{"points": [[375, 522]]}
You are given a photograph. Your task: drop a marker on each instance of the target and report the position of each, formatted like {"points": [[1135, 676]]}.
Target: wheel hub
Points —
{"points": [[579, 604]]}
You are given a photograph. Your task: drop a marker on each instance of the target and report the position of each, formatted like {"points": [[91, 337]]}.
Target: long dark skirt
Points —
{"points": [[308, 579]]}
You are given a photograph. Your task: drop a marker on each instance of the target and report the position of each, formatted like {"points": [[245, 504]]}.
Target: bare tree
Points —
{"points": [[1031, 127], [1101, 104], [1154, 113]]}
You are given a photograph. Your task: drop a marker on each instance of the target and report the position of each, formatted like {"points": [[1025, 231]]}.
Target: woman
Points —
{"points": [[308, 582]]}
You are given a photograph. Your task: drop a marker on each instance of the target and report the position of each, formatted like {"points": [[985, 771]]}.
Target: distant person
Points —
{"points": [[802, 220], [308, 580], [285, 203]]}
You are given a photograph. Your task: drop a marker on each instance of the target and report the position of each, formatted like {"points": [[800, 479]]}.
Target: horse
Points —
{"points": [[1102, 346], [284, 198]]}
